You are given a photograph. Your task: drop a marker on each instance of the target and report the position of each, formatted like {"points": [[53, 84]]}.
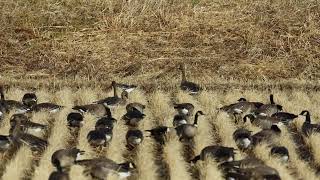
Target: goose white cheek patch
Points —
{"points": [[238, 111], [183, 122], [54, 110], [78, 156], [137, 141], [184, 111], [284, 158], [246, 142], [124, 174], [230, 159], [108, 137]]}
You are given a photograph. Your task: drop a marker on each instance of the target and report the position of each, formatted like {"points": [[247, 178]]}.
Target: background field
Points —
{"points": [[69, 52]]}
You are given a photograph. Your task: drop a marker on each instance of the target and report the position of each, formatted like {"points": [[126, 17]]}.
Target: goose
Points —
{"points": [[242, 106], [185, 85], [75, 119], [102, 167], [58, 175], [64, 158], [34, 142], [12, 105], [184, 108], [187, 131], [264, 122], [281, 152], [99, 137], [268, 109], [106, 122], [219, 153], [133, 117], [243, 138], [179, 119], [114, 100], [98, 110], [126, 87], [5, 143], [135, 106], [158, 133], [255, 173], [285, 117], [26, 125], [29, 99], [46, 107], [134, 138], [267, 135], [248, 162], [307, 127]]}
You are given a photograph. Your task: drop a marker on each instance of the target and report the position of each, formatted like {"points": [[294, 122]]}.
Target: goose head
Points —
{"points": [[124, 95], [242, 99], [75, 119], [29, 99], [305, 113]]}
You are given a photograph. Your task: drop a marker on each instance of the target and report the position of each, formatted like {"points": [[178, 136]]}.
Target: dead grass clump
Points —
{"points": [[76, 173], [178, 168], [209, 170], [313, 142], [15, 168], [88, 125], [160, 108]]}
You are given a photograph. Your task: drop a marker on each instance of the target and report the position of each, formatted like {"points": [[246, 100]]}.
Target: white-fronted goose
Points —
{"points": [[280, 152], [188, 86], [187, 131], [268, 109], [64, 158], [134, 138], [58, 175], [101, 167], [219, 153], [242, 138], [5, 143], [135, 106], [99, 137], [98, 110], [184, 108], [307, 127], [266, 135], [75, 119], [133, 117], [126, 87], [264, 122]]}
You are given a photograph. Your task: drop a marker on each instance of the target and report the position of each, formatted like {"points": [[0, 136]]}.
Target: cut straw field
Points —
{"points": [[171, 160]]}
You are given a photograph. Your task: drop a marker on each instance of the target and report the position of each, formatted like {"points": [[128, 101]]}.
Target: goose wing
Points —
{"points": [[34, 142], [192, 87]]}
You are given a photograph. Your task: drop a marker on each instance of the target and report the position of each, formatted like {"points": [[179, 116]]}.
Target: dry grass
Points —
{"points": [[234, 39]]}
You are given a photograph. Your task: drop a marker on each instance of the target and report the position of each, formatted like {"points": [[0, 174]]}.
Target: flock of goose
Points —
{"points": [[266, 116]]}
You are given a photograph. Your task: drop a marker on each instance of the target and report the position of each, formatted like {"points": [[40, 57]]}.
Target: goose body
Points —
{"points": [[64, 158], [58, 175], [105, 123], [264, 122], [179, 119], [34, 142], [188, 86], [98, 110], [158, 133], [47, 107], [5, 143], [266, 135], [134, 138], [243, 138], [284, 116], [115, 100], [135, 106], [126, 87], [75, 119], [184, 108], [307, 127], [239, 107], [133, 117], [219, 153], [268, 109], [102, 167], [187, 131], [99, 137]]}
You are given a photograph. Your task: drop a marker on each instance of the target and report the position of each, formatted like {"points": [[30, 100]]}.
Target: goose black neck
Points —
{"points": [[195, 159], [308, 118], [108, 112], [114, 90], [183, 71], [271, 99], [2, 95], [196, 119]]}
